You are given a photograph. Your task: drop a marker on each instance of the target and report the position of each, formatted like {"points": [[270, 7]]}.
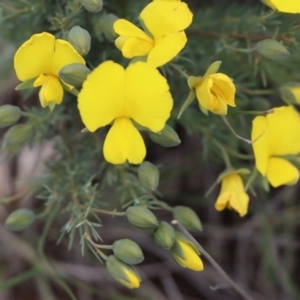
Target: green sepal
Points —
{"points": [[148, 175], [187, 217], [20, 219], [166, 138], [213, 68], [190, 98], [164, 236], [26, 84]]}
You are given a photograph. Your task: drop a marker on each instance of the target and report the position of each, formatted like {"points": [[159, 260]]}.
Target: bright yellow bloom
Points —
{"points": [[191, 258], [112, 94], [232, 194], [285, 6], [281, 137], [41, 57], [214, 92], [164, 38]]}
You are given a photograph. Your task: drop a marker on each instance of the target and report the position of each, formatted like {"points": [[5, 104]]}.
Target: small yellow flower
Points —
{"points": [[164, 38], [285, 6], [214, 92], [232, 194], [112, 94], [185, 255], [41, 57], [281, 137]]}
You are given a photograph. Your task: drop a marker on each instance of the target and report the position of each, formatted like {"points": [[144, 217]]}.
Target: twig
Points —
{"points": [[238, 289]]}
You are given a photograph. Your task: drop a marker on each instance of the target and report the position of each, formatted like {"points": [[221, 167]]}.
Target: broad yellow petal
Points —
{"points": [[286, 6], [167, 48], [133, 282], [165, 17], [284, 130], [281, 172], [35, 56], [120, 41], [135, 47], [64, 54], [204, 95], [51, 91], [124, 142], [101, 99], [222, 201], [260, 146], [147, 96]]}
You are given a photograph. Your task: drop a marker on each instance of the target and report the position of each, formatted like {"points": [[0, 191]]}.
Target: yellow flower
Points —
{"points": [[185, 254], [281, 137], [285, 6], [232, 194], [112, 94], [164, 37], [41, 57], [124, 273], [214, 92]]}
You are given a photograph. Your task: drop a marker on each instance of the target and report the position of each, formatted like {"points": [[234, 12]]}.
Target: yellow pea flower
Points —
{"points": [[285, 6], [112, 94], [281, 137], [232, 194], [164, 39], [185, 254], [41, 57], [214, 92]]}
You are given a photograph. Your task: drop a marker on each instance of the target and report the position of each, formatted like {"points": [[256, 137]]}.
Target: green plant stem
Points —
{"points": [[251, 179], [224, 152], [179, 70]]}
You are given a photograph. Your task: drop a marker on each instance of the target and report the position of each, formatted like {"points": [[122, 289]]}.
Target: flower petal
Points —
{"points": [[135, 47], [165, 17], [284, 129], [281, 172], [124, 142], [286, 6], [204, 96], [51, 91], [35, 56], [101, 99], [147, 96], [260, 146], [166, 49]]}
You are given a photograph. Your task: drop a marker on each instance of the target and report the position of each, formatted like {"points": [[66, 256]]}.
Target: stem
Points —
{"points": [[238, 289], [224, 152], [251, 179], [97, 246], [180, 71], [106, 212], [242, 50]]}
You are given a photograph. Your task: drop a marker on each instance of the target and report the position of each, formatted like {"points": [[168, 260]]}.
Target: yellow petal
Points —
{"points": [[124, 142], [133, 282], [101, 99], [147, 96], [127, 29], [281, 172], [167, 48], [40, 80], [286, 6], [135, 47], [260, 146], [51, 91], [165, 17], [120, 41], [35, 56], [64, 54], [284, 131]]}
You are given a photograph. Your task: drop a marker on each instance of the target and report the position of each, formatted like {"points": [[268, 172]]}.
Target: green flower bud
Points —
{"points": [[19, 219], [128, 251], [290, 93], [148, 175], [9, 115], [272, 50], [164, 236], [80, 39], [125, 274], [166, 138], [187, 217], [93, 6], [18, 134], [74, 74], [107, 24], [141, 217]]}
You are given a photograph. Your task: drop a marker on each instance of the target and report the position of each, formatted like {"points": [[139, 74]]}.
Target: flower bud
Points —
{"points": [[272, 50], [185, 253], [9, 115], [290, 93], [19, 219], [125, 274], [166, 138], [17, 134], [187, 217], [74, 74], [80, 39], [107, 24], [93, 6], [128, 251], [164, 236], [148, 175], [141, 217]]}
